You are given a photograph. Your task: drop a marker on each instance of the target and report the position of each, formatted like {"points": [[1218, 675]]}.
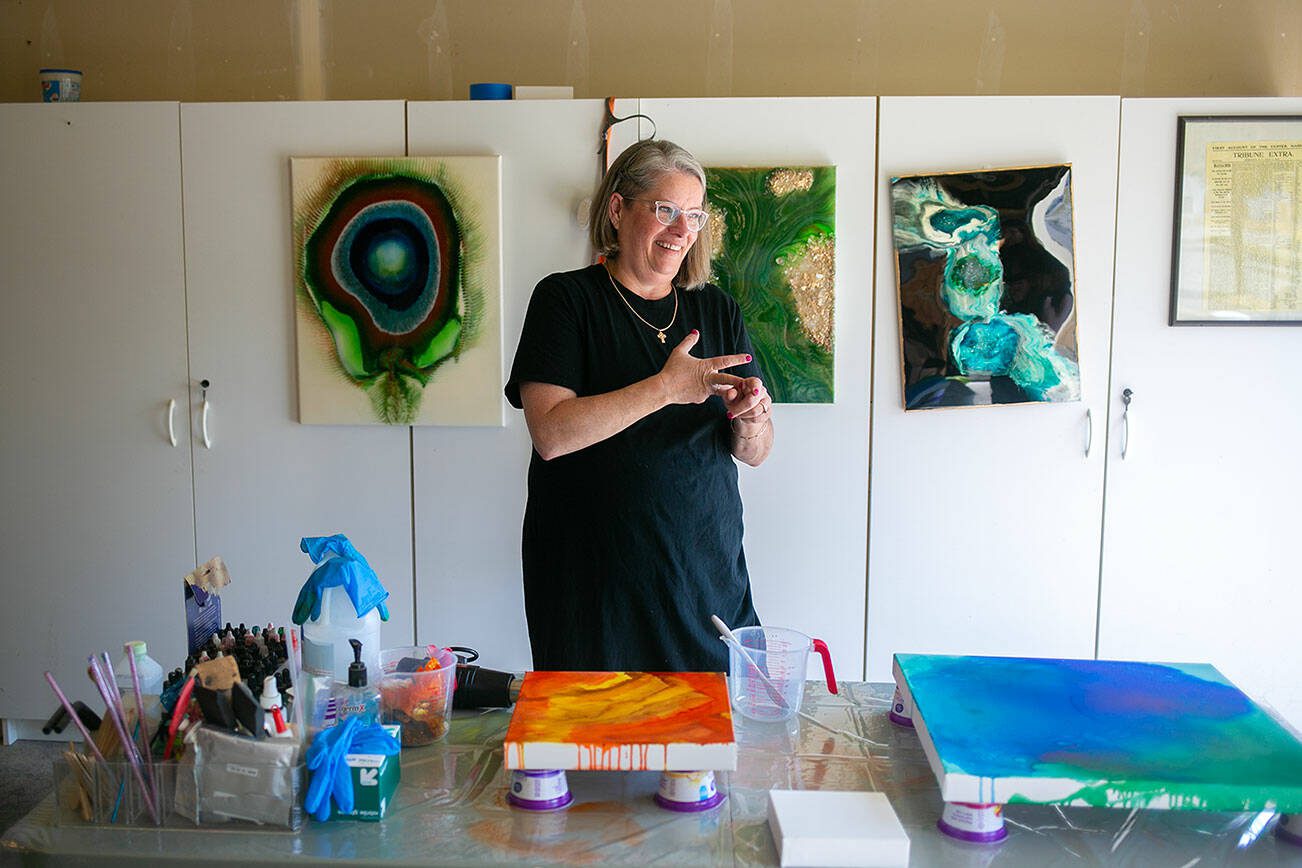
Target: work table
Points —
{"points": [[451, 809]]}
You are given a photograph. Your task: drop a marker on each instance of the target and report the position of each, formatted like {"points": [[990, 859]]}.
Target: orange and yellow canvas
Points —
{"points": [[622, 721]]}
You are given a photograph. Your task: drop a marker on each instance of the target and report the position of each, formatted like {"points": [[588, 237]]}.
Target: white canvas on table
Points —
{"points": [[830, 828]]}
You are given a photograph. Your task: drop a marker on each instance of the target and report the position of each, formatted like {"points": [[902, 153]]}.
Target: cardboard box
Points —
{"points": [[375, 780]]}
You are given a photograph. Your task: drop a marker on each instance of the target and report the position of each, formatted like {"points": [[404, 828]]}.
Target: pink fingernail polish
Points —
{"points": [[730, 417], [748, 358], [756, 391], [695, 332]]}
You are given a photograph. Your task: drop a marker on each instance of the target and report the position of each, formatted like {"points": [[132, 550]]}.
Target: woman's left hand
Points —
{"points": [[748, 402]]}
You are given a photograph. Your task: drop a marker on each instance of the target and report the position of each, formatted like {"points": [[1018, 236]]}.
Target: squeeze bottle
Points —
{"points": [[147, 668]]}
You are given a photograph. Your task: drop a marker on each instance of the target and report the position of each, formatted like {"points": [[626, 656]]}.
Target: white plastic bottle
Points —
{"points": [[325, 640], [150, 673], [148, 670]]}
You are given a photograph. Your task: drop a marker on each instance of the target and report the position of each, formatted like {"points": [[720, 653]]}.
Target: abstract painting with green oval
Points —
{"points": [[398, 290], [773, 249], [986, 270]]}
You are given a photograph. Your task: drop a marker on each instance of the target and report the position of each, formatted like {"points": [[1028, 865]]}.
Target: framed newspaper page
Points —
{"points": [[1237, 252]]}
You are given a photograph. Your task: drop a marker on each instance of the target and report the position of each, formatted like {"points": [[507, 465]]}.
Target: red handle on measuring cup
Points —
{"points": [[821, 647]]}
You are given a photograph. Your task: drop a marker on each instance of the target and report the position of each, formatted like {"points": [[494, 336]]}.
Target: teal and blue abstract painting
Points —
{"points": [[1102, 733], [986, 270]]}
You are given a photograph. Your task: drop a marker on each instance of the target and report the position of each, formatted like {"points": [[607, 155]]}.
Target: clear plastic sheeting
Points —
{"points": [[451, 809]]}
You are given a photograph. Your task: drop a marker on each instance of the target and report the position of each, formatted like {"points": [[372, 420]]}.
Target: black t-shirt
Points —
{"points": [[632, 543]]}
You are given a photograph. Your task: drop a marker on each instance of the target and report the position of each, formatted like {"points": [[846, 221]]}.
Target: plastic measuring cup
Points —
{"points": [[418, 698], [770, 685]]}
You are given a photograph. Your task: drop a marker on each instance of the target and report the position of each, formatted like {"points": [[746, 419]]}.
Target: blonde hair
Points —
{"points": [[633, 173]]}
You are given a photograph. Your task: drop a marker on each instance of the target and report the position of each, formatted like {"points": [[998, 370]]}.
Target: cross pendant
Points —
{"points": [[661, 335]]}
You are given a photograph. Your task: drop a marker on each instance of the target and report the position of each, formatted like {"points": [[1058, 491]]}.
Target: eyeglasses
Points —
{"points": [[667, 213]]}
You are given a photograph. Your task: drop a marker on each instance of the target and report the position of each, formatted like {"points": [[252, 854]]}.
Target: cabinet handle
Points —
{"points": [[171, 429], [1089, 432], [1126, 396], [203, 418]]}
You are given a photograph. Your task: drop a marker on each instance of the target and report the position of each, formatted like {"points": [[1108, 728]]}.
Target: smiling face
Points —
{"points": [[651, 253]]}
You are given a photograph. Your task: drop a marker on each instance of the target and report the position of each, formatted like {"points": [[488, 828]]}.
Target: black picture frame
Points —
{"points": [[1217, 237]]}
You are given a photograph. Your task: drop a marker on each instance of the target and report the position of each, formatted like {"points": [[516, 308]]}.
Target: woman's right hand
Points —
{"points": [[689, 380]]}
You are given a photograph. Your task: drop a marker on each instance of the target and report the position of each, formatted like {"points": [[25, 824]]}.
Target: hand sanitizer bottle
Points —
{"points": [[358, 699]]}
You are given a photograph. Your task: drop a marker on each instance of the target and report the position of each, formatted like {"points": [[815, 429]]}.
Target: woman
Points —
{"points": [[639, 389]]}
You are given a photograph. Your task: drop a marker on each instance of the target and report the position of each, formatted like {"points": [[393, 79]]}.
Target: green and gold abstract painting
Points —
{"points": [[773, 249], [986, 269], [398, 287]]}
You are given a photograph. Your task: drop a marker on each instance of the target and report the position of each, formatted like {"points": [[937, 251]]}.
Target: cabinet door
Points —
{"points": [[1199, 549], [98, 515], [985, 521], [267, 480], [807, 505], [469, 483]]}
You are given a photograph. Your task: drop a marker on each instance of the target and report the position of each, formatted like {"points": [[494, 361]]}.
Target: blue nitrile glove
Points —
{"points": [[341, 565], [374, 739], [330, 773], [325, 759]]}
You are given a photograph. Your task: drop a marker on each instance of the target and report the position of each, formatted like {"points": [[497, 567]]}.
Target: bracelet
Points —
{"points": [[741, 436]]}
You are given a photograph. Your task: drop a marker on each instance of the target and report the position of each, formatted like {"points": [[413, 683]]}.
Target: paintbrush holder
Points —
{"points": [[109, 795]]}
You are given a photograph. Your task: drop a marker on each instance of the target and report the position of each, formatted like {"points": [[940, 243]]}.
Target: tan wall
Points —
{"points": [[432, 49]]}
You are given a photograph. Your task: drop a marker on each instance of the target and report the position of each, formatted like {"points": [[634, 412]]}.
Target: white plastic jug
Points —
{"points": [[325, 640]]}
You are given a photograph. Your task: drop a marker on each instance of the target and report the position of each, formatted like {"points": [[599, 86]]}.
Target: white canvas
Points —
{"points": [[824, 827]]}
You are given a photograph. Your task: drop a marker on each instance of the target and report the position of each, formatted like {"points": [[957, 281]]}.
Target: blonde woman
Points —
{"points": [[639, 389]]}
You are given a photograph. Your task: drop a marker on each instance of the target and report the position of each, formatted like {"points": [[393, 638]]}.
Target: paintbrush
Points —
{"points": [[142, 720], [113, 701]]}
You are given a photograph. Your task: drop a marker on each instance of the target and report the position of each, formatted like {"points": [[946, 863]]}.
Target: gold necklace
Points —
{"points": [[660, 332]]}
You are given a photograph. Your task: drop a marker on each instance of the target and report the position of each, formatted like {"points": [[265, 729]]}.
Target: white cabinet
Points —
{"points": [[266, 481], [1200, 532], [807, 505], [146, 247], [98, 524], [984, 522]]}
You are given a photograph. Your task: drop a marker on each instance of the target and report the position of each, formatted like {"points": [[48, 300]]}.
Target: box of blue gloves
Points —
{"points": [[355, 770], [375, 779]]}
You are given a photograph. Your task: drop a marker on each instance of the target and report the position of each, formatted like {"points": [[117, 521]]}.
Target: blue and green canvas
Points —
{"points": [[1104, 733], [986, 270]]}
